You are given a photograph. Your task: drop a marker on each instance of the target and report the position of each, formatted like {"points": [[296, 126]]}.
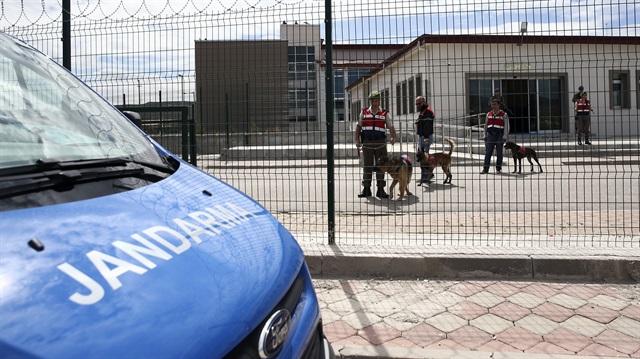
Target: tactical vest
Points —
{"points": [[374, 126], [495, 122], [583, 108]]}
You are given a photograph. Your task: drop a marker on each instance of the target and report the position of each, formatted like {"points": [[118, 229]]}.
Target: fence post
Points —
{"points": [[331, 200]]}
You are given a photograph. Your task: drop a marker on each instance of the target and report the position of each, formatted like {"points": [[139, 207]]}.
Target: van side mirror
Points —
{"points": [[134, 117]]}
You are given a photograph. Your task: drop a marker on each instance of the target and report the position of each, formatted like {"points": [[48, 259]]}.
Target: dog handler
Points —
{"points": [[496, 129], [583, 118], [424, 129], [371, 134]]}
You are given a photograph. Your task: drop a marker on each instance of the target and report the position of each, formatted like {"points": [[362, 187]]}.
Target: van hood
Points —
{"points": [[145, 273]]}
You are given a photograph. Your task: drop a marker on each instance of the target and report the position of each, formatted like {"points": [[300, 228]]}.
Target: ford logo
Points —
{"points": [[274, 333]]}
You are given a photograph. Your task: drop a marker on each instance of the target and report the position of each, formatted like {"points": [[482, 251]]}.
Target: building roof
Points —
{"points": [[498, 39]]}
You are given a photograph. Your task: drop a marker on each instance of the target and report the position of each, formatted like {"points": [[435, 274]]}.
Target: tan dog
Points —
{"points": [[437, 159], [400, 169]]}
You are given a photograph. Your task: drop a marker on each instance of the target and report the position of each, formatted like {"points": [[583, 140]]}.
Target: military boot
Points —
{"points": [[366, 192], [381, 193]]}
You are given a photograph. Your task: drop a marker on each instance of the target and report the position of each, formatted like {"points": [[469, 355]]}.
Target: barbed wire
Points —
{"points": [[29, 13]]}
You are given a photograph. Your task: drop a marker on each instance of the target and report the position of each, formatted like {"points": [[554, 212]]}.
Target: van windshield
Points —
{"points": [[47, 113]]}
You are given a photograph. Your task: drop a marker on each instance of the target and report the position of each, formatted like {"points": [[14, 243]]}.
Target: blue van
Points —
{"points": [[112, 247]]}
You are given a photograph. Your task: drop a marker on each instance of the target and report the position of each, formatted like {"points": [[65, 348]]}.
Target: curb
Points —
{"points": [[330, 263], [368, 352]]}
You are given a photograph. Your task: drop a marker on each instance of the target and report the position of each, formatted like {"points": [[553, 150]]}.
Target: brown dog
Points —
{"points": [[520, 152], [438, 159], [400, 169]]}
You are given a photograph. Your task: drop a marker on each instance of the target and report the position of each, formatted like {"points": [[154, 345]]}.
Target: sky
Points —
{"points": [[398, 19], [151, 41]]}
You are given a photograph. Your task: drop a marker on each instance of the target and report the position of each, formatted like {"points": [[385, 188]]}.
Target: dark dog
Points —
{"points": [[400, 169], [438, 159], [520, 152]]}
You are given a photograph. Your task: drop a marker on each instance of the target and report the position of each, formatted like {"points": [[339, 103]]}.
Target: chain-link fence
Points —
{"points": [[274, 92]]}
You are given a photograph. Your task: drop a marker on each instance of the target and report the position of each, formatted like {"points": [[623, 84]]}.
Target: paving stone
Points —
{"points": [[537, 324], [446, 322], [502, 289], [470, 337], [568, 340], [548, 348], [338, 330], [386, 307], [519, 338], [567, 301], [491, 324], [403, 320], [333, 295], [354, 287], [553, 311], [618, 341], [423, 335], [426, 309], [447, 344], [328, 316], [465, 289], [632, 312], [468, 310], [346, 306], [486, 299], [374, 314], [581, 291], [599, 314], [585, 326], [379, 333], [352, 340], [510, 311], [360, 320], [542, 290], [498, 346], [526, 300], [446, 299], [401, 343], [390, 288], [627, 326], [596, 349], [609, 302]]}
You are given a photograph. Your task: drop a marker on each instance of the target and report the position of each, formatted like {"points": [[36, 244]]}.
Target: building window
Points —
{"points": [[412, 95], [398, 100], [404, 99], [480, 91], [419, 86], [637, 88], [385, 99], [427, 91], [619, 89], [355, 110]]}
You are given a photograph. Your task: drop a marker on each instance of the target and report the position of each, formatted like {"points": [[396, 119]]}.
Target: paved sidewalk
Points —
{"points": [[425, 318]]}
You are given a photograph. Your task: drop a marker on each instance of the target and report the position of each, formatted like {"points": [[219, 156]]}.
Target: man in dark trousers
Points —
{"points": [[577, 97], [371, 134], [496, 128], [424, 129]]}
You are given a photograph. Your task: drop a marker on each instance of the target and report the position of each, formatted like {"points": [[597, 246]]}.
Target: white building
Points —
{"points": [[537, 75]]}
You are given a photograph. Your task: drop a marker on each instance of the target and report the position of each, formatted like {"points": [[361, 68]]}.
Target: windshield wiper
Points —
{"points": [[54, 164], [61, 175]]}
